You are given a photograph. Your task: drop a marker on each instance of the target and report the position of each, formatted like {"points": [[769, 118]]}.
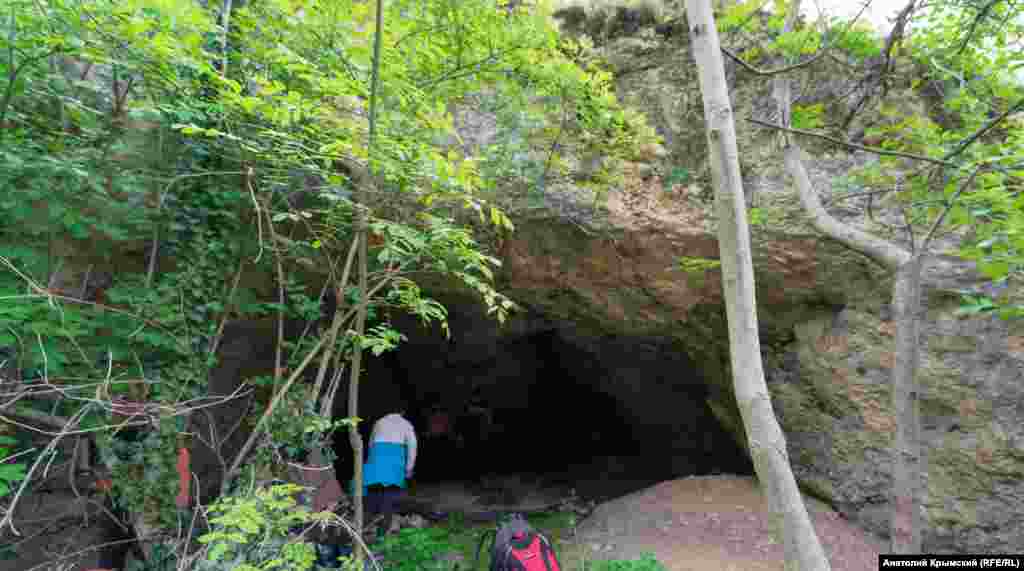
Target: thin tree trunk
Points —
{"points": [[767, 443], [161, 195], [225, 22], [281, 296], [362, 222], [907, 488], [332, 333], [906, 523], [262, 422], [12, 72], [354, 437]]}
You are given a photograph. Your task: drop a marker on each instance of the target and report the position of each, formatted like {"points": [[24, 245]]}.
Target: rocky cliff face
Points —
{"points": [[827, 342], [826, 329]]}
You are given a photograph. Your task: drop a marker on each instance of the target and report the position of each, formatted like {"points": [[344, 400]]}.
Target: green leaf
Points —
{"points": [[959, 215], [995, 269], [218, 551], [12, 472]]}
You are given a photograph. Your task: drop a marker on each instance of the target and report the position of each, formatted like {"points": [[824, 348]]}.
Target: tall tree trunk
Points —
{"points": [[767, 443], [907, 487], [906, 523], [362, 220], [355, 438]]}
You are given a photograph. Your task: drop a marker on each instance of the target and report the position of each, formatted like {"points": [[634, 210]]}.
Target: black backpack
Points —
{"points": [[518, 547]]}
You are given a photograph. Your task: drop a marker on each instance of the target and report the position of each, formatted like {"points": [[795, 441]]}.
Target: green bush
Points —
{"points": [[252, 532], [645, 562], [416, 550]]}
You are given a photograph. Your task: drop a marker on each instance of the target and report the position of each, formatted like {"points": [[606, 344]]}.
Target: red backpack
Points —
{"points": [[518, 547]]}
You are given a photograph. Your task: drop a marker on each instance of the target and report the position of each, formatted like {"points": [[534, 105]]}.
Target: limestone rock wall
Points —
{"points": [[826, 329], [831, 390]]}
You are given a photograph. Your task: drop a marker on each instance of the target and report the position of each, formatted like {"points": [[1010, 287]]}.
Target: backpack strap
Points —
{"points": [[547, 551]]}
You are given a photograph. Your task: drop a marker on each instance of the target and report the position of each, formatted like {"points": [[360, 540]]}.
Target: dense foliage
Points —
{"points": [[963, 60], [154, 152]]}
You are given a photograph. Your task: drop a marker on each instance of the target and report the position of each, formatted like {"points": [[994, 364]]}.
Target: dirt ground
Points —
{"points": [[505, 493], [710, 523], [707, 523]]}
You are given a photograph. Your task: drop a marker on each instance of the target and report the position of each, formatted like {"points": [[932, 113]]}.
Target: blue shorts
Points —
{"points": [[385, 467]]}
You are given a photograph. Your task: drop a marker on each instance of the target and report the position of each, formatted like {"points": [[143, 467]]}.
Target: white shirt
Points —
{"points": [[396, 429]]}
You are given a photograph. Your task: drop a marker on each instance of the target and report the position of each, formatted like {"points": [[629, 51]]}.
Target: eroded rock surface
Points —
{"points": [[826, 326]]}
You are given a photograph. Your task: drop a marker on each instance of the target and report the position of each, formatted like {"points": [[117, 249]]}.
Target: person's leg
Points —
{"points": [[391, 497], [373, 504]]}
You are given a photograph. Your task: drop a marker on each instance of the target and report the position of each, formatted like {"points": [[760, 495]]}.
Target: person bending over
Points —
{"points": [[391, 461]]}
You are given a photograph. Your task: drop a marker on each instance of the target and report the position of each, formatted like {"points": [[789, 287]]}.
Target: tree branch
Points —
{"points": [[890, 254], [771, 72], [984, 129], [865, 194], [981, 15], [336, 323], [876, 151], [897, 32], [227, 306], [244, 451], [949, 206]]}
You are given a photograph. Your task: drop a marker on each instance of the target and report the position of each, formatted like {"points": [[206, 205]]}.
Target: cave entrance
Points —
{"points": [[606, 416]]}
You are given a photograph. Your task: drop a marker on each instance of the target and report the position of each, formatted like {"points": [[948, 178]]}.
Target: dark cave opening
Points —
{"points": [[623, 411]]}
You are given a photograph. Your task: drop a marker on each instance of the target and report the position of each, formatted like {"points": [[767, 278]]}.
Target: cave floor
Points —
{"points": [[506, 493], [599, 480]]}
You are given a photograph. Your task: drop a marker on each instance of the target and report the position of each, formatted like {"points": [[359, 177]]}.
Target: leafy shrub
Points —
{"points": [[645, 562], [416, 549], [251, 532]]}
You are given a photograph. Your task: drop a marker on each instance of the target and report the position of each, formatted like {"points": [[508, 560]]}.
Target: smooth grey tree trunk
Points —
{"points": [[767, 443], [907, 487]]}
